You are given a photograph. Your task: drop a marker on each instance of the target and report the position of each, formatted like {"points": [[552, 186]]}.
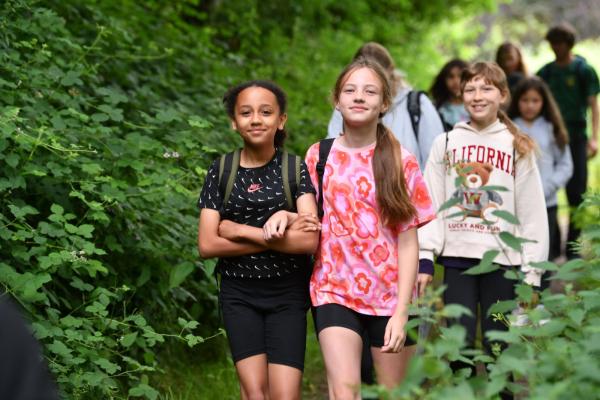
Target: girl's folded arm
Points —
{"points": [[293, 241], [210, 244]]}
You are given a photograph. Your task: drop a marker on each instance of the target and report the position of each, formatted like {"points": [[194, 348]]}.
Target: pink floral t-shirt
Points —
{"points": [[357, 261]]}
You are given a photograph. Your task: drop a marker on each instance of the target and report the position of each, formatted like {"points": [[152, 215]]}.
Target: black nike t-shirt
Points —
{"points": [[256, 195]]}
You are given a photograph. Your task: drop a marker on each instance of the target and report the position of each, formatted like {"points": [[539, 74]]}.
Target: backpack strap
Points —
{"points": [[413, 105], [290, 169], [228, 167], [324, 149]]}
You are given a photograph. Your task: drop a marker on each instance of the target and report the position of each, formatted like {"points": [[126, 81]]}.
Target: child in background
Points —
{"points": [[446, 95], [374, 199], [575, 86], [535, 112], [509, 58], [263, 266], [489, 151]]}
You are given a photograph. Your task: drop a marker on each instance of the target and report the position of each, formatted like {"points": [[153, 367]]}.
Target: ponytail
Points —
{"points": [[522, 143], [390, 185]]}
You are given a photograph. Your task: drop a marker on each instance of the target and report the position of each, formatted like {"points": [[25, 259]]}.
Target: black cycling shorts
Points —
{"points": [[266, 316], [329, 315]]}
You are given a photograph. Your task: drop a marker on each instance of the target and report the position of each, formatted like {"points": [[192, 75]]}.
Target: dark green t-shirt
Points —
{"points": [[571, 86]]}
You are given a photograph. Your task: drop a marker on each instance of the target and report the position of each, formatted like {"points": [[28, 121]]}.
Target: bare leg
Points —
{"points": [[253, 375], [341, 349], [285, 382], [391, 367]]}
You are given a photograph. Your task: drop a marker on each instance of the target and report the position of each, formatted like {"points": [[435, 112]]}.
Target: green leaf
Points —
{"points": [[71, 78], [20, 212], [85, 230], [486, 265], [524, 292], [57, 209], [455, 311], [167, 115], [12, 160], [512, 241], [507, 216], [91, 168], [59, 348], [106, 365], [143, 390], [449, 203], [545, 265], [502, 307], [198, 122], [128, 339], [179, 273]]}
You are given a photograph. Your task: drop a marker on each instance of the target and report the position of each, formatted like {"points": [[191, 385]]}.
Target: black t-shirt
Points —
{"points": [[256, 195]]}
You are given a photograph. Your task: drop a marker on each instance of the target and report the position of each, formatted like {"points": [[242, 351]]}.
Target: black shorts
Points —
{"points": [[266, 316], [329, 315]]}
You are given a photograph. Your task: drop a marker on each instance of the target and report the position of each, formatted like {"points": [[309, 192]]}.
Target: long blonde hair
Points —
{"points": [[492, 73], [390, 185]]}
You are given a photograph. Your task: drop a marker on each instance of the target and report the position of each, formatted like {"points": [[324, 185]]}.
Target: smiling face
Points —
{"points": [[360, 99], [257, 116], [530, 105], [482, 101]]}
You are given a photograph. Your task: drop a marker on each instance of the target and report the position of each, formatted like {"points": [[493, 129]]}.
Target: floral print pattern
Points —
{"points": [[357, 261]]}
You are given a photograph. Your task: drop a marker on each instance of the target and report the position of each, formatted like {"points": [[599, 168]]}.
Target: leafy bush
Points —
{"points": [[556, 355], [104, 137]]}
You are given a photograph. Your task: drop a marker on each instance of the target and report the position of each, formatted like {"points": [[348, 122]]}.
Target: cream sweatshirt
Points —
{"points": [[476, 168]]}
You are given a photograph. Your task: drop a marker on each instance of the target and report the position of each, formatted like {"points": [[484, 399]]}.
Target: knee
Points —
{"points": [[257, 393], [346, 392]]}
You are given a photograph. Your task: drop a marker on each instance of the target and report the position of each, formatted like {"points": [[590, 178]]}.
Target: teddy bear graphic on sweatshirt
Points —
{"points": [[473, 201]]}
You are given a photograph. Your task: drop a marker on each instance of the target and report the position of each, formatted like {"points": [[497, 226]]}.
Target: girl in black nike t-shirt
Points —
{"points": [[262, 246]]}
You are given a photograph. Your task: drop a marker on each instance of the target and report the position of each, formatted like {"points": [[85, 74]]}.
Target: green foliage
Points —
{"points": [[555, 354], [105, 133]]}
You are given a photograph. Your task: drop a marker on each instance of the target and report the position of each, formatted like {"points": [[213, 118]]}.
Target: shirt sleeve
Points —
{"points": [[432, 235], [563, 169], [210, 196], [592, 87], [305, 185], [311, 159], [419, 195], [530, 209]]}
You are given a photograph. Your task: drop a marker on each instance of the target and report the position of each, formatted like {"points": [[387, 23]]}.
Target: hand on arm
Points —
{"points": [[408, 252], [292, 241]]}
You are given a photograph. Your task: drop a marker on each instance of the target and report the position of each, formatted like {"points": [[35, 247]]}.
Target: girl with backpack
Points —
{"points": [[373, 201], [446, 95], [246, 205], [486, 168], [535, 112]]}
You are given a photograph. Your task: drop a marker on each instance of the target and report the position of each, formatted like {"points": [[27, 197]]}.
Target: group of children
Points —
{"points": [[360, 204]]}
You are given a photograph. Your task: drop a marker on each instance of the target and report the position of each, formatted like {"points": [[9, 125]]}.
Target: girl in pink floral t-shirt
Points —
{"points": [[374, 199]]}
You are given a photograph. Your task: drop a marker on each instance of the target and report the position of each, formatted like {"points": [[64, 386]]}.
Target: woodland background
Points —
{"points": [[109, 116]]}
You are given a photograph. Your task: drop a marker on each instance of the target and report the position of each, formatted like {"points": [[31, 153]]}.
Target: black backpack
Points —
{"points": [[413, 105], [290, 168]]}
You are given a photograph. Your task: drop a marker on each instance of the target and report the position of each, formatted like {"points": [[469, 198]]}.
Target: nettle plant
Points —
{"points": [[102, 154], [554, 355]]}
